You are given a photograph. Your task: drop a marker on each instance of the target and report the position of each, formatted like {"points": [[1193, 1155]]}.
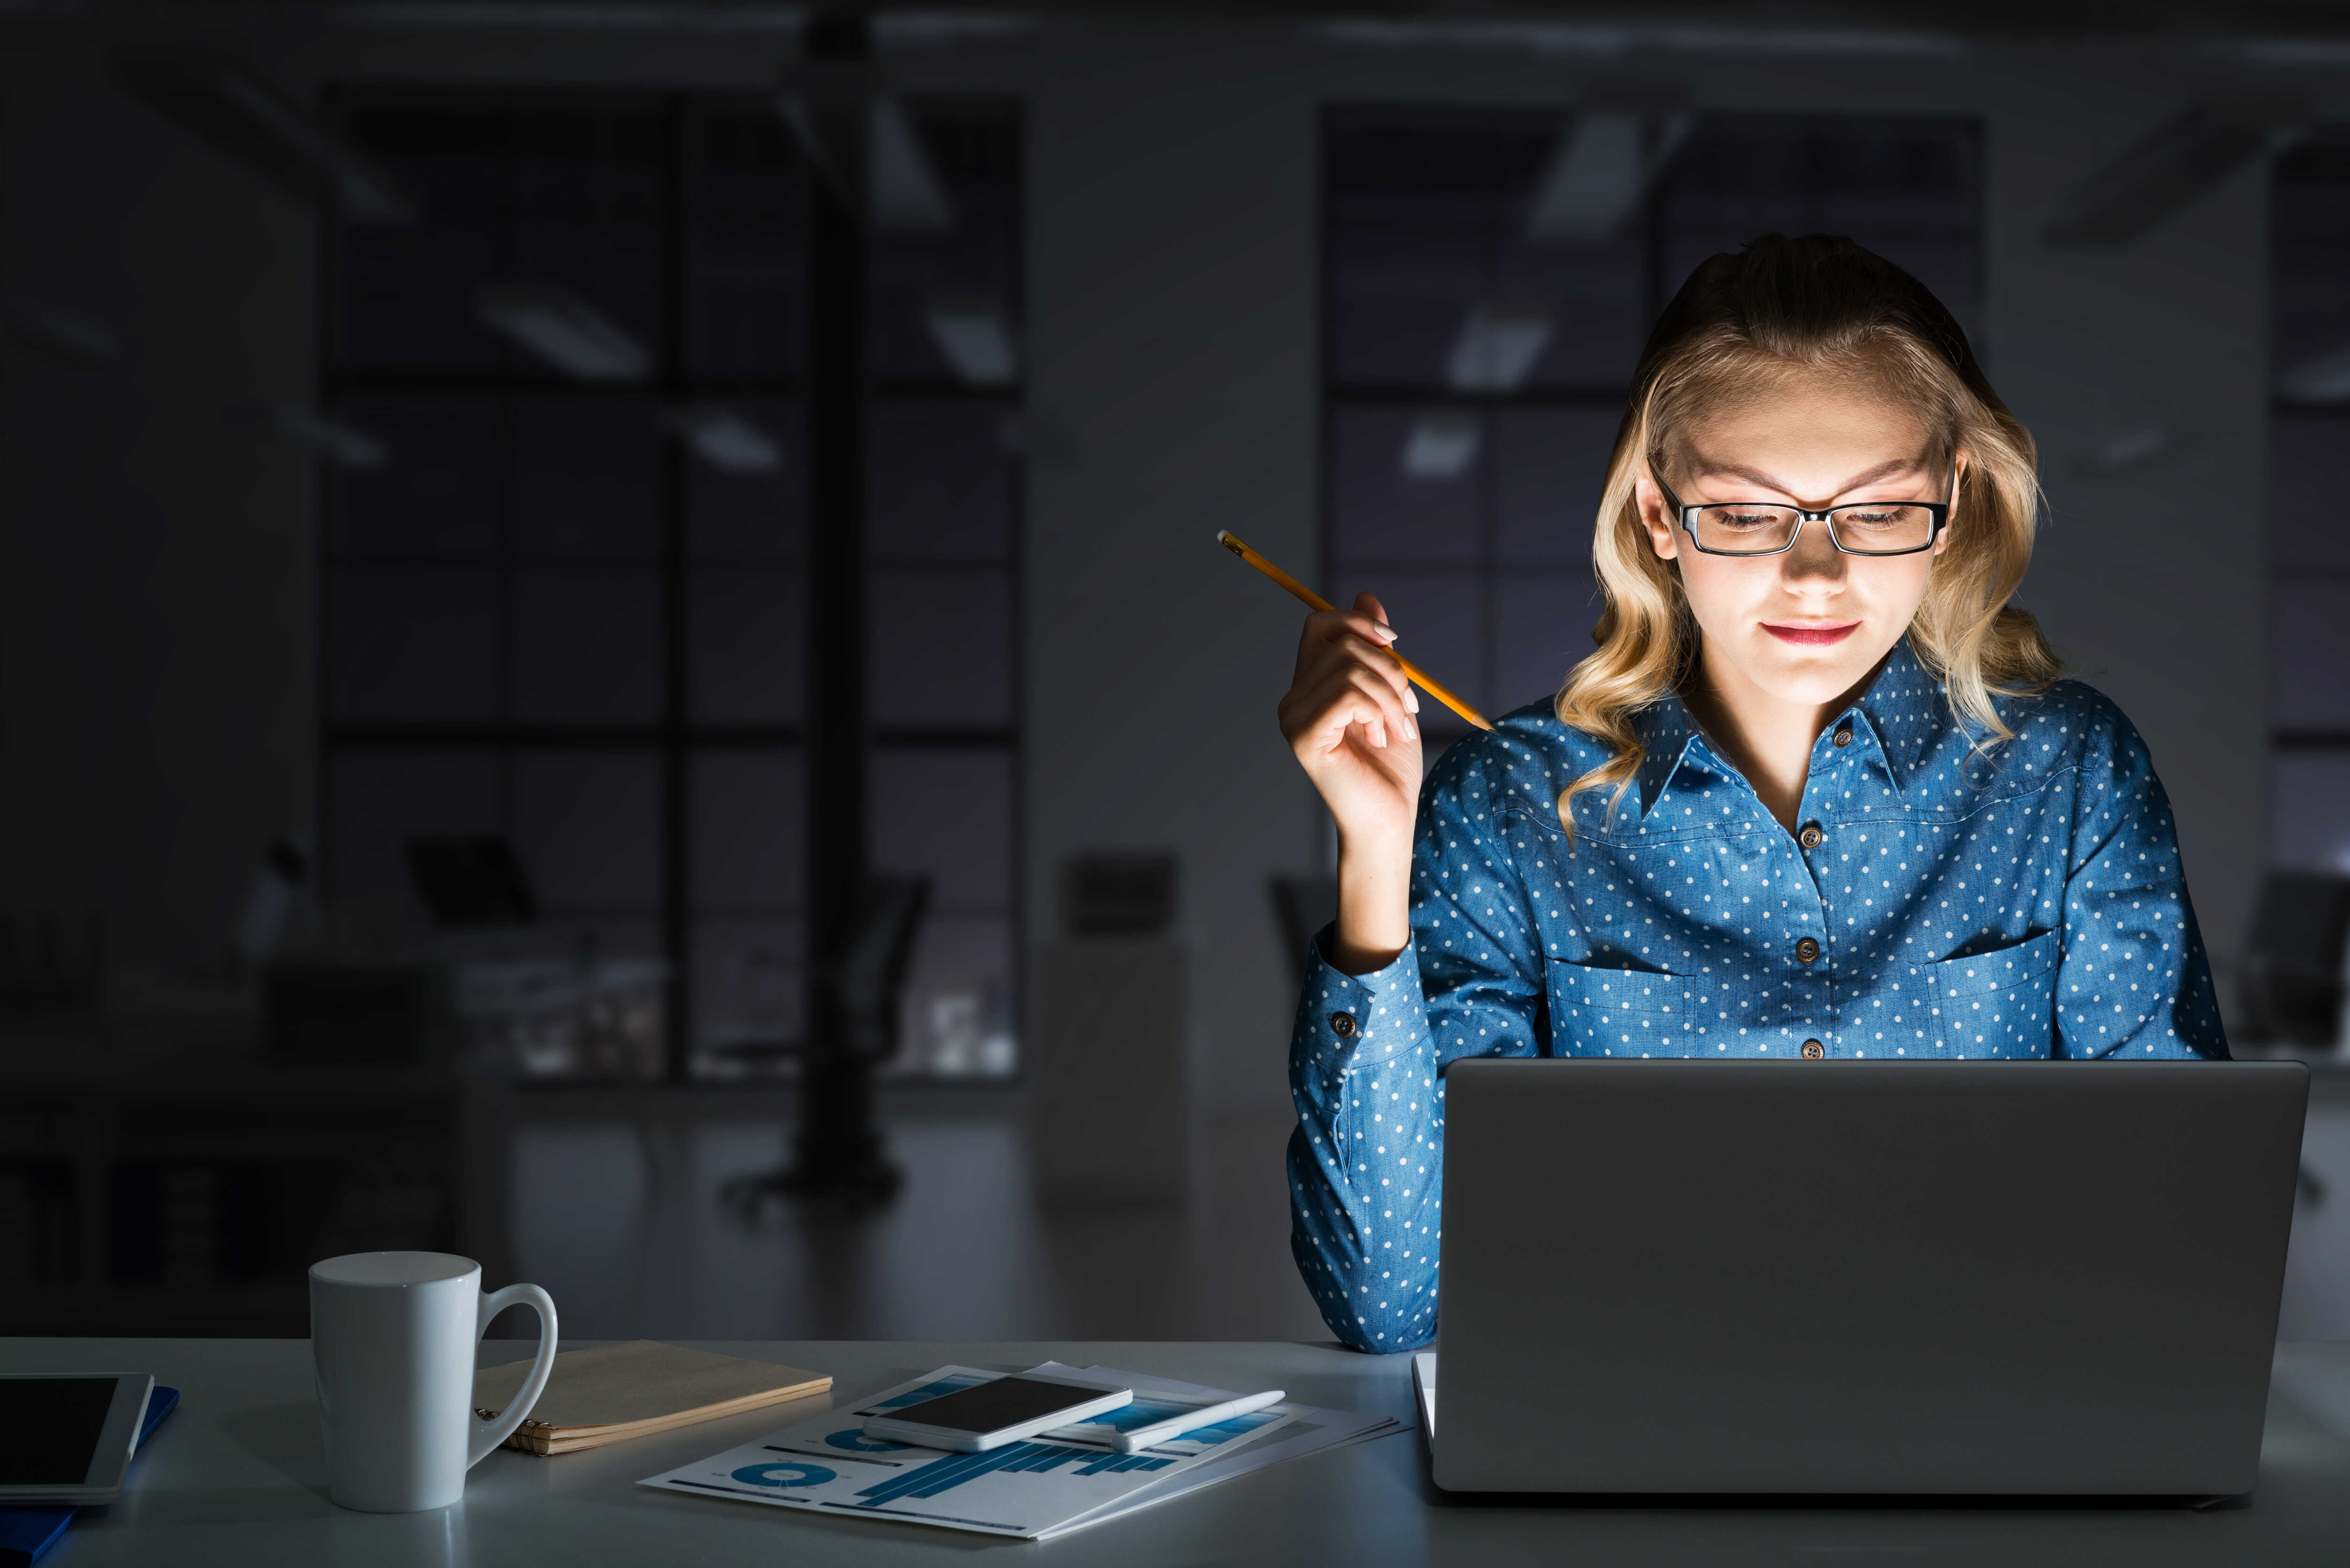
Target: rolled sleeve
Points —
{"points": [[1346, 1021]]}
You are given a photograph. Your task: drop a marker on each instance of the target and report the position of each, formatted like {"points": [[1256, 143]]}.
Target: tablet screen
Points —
{"points": [[50, 1427]]}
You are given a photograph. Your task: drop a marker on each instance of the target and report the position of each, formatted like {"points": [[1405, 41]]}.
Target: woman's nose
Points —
{"points": [[1815, 557]]}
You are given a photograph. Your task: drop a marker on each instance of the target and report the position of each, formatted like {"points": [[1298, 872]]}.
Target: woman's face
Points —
{"points": [[1807, 626]]}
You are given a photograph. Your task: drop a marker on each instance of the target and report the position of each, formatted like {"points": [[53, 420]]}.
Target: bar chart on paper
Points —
{"points": [[1021, 1488], [942, 1475]]}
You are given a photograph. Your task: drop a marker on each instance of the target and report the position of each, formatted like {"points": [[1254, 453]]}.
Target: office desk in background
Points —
{"points": [[234, 1480]]}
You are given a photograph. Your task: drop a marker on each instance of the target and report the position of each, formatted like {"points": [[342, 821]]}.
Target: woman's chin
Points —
{"points": [[1813, 674]]}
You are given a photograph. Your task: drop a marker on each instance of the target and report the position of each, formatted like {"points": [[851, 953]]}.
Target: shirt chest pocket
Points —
{"points": [[1617, 1012], [1998, 1004]]}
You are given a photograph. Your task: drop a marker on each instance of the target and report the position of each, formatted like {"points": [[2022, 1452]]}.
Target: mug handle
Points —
{"points": [[488, 1436]]}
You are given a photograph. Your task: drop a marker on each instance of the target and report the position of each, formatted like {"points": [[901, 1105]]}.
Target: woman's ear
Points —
{"points": [[1958, 483], [1655, 514]]}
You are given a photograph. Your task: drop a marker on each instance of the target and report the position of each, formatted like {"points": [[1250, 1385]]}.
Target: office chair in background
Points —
{"points": [[852, 1032]]}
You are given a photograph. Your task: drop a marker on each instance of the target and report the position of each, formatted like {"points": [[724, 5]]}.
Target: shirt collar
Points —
{"points": [[1907, 710], [1904, 711], [1668, 729]]}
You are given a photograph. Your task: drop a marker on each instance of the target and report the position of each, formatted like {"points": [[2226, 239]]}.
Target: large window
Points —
{"points": [[567, 606], [2309, 594], [1489, 276]]}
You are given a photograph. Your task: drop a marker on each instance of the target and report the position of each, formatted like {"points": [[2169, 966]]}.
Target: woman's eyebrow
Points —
{"points": [[1898, 465]]}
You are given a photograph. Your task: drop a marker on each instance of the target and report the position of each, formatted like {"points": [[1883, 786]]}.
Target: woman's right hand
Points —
{"points": [[1349, 717]]}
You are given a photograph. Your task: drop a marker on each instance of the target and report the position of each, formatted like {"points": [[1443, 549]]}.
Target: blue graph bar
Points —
{"points": [[1113, 1463], [1223, 1431], [1141, 1413], [940, 1473], [945, 1475]]}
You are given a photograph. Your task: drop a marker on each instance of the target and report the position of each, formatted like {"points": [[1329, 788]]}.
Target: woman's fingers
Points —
{"points": [[1333, 637], [1346, 677], [1316, 716], [1357, 673], [1356, 696], [1374, 684], [1326, 629]]}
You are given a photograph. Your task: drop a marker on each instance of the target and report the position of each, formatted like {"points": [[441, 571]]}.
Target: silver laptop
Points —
{"points": [[1953, 1277]]}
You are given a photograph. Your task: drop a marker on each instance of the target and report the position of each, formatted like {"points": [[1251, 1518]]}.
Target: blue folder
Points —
{"points": [[26, 1533]]}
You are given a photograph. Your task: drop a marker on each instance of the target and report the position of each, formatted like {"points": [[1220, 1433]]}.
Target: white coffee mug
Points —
{"points": [[393, 1335]]}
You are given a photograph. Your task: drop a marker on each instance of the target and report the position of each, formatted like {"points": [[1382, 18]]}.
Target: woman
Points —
{"points": [[1819, 794]]}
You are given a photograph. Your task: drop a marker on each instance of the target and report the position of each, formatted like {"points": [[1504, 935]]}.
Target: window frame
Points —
{"points": [[674, 737]]}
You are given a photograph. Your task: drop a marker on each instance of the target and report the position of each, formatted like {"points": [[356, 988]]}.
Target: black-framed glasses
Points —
{"points": [[1762, 528]]}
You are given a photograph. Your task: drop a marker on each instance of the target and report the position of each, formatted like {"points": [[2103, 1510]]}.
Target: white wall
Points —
{"points": [[2153, 582], [1172, 297]]}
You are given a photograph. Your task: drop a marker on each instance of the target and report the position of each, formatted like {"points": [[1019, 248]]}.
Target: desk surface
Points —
{"points": [[235, 1478]]}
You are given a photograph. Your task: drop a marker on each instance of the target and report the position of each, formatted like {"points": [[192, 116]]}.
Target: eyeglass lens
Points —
{"points": [[1878, 529]]}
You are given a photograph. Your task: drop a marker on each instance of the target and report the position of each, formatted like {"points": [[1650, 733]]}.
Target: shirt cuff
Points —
{"points": [[1347, 1021]]}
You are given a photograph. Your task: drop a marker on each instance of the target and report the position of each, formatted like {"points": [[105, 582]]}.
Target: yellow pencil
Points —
{"points": [[1417, 676]]}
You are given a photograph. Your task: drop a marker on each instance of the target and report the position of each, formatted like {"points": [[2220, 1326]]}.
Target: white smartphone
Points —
{"points": [[989, 1414], [70, 1439]]}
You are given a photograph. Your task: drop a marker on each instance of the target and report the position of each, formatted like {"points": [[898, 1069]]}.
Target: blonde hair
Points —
{"points": [[1741, 320]]}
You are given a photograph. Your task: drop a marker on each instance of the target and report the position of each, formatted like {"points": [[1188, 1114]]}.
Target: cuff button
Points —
{"points": [[1342, 1024]]}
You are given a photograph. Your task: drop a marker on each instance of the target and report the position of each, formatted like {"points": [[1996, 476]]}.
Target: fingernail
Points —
{"points": [[1411, 699], [1410, 731], [1378, 734], [1385, 630]]}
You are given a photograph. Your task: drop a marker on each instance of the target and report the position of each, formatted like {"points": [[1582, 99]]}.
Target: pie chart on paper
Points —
{"points": [[784, 1475], [857, 1442]]}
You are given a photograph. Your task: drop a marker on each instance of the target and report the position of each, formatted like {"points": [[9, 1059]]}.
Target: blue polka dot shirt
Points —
{"points": [[1937, 900]]}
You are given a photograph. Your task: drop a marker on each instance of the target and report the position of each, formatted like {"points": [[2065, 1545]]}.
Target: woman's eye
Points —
{"points": [[1746, 519]]}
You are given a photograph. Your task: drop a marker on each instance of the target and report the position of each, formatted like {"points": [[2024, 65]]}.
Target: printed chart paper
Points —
{"points": [[1149, 1409], [1313, 1431], [1024, 1488]]}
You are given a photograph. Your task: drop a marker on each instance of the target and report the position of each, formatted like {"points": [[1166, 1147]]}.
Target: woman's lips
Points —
{"points": [[1818, 635]]}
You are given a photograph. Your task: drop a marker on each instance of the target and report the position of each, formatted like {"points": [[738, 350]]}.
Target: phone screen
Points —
{"points": [[990, 1407], [50, 1427]]}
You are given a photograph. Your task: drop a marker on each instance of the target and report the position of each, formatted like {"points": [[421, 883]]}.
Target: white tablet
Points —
{"points": [[69, 1439]]}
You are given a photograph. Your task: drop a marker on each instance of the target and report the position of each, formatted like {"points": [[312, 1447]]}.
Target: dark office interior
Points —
{"points": [[613, 657]]}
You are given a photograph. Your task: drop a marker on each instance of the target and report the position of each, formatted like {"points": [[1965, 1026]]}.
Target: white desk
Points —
{"points": [[234, 1479]]}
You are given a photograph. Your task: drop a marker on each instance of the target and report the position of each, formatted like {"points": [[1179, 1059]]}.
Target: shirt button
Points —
{"points": [[1811, 835], [1805, 949], [1814, 1050], [1343, 1023], [1843, 737]]}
